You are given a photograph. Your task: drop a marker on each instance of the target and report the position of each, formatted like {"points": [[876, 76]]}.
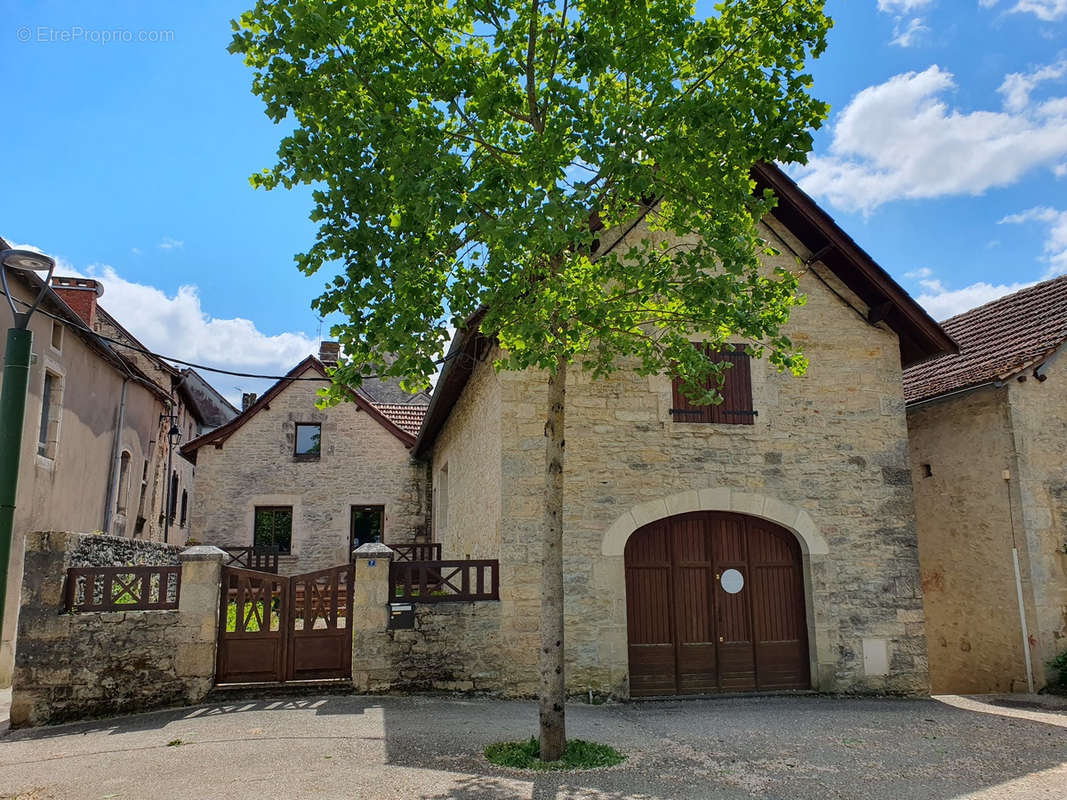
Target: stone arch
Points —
{"points": [[790, 517]]}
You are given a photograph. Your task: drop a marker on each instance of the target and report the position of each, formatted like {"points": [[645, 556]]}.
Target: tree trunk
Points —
{"points": [[552, 695]]}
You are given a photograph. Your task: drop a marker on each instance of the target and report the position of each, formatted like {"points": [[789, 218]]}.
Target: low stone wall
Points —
{"points": [[453, 646], [106, 551], [72, 666]]}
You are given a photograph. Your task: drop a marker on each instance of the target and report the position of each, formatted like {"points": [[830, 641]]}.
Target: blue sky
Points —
{"points": [[945, 157]]}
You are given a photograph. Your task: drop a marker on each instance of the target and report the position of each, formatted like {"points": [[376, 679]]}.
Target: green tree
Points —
{"points": [[480, 154]]}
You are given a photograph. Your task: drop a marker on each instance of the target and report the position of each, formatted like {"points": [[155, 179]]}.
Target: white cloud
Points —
{"points": [[901, 6], [135, 250], [942, 302], [1056, 236], [1017, 86], [170, 244], [900, 139], [1046, 10], [178, 326], [908, 35], [919, 274], [1060, 170]]}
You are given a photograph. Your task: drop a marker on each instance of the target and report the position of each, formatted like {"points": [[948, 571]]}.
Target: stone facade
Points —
{"points": [[969, 517], [361, 463], [826, 458], [71, 666]]}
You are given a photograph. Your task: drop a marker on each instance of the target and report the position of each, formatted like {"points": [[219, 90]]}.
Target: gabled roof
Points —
{"points": [[218, 436], [997, 340], [919, 335]]}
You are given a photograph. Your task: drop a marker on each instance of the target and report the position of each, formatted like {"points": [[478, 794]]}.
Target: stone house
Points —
{"points": [[768, 543], [94, 435], [988, 448], [315, 482]]}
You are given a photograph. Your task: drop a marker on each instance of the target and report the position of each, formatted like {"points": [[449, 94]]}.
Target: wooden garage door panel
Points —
{"points": [[648, 615], [652, 670], [697, 673]]}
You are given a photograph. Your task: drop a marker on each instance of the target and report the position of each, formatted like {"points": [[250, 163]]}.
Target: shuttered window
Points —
{"points": [[736, 407]]}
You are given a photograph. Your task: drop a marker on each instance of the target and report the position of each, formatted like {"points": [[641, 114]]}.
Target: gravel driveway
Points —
{"points": [[430, 748]]}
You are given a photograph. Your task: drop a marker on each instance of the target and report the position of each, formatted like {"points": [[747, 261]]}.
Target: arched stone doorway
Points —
{"points": [[715, 602]]}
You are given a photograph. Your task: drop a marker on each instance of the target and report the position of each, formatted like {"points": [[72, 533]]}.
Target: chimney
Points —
{"points": [[81, 295], [328, 353], [248, 399]]}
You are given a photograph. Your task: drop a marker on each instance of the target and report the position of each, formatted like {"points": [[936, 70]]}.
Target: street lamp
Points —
{"points": [[13, 397], [174, 435]]}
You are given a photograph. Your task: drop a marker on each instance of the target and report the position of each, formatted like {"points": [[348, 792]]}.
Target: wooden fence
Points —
{"points": [[444, 581], [122, 588], [426, 551], [260, 559]]}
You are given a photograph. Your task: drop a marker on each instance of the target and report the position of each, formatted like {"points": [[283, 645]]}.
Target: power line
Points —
{"points": [[86, 329]]}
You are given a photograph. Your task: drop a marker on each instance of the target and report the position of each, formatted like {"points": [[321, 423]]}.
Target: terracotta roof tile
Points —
{"points": [[996, 341], [407, 417]]}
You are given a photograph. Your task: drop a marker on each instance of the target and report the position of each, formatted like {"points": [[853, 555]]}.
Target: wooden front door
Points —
{"points": [[715, 602], [275, 628]]}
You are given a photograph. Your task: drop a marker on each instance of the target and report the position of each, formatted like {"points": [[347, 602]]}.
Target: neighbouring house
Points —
{"points": [[91, 431], [988, 441], [194, 408], [766, 543], [314, 482]]}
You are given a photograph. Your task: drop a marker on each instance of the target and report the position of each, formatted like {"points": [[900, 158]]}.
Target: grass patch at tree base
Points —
{"points": [[579, 754]]}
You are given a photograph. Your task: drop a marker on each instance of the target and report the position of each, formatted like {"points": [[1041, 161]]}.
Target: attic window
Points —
{"points": [[308, 440], [57, 335]]}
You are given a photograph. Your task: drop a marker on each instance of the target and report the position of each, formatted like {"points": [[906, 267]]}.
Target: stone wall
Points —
{"points": [[72, 666], [965, 540], [1039, 425], [106, 551], [827, 454], [361, 463], [453, 646]]}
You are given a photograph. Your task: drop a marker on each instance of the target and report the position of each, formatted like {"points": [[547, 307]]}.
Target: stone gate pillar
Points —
{"points": [[369, 617]]}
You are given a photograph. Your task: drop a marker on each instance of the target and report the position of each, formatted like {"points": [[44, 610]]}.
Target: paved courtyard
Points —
{"points": [[430, 748]]}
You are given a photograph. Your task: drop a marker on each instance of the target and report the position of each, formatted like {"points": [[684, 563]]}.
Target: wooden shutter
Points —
{"points": [[736, 407]]}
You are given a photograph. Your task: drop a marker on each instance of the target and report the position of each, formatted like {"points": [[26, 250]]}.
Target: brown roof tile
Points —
{"points": [[407, 417], [996, 341]]}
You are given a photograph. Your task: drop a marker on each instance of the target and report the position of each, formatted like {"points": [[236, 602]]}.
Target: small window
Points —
{"points": [[308, 439], [124, 482], [48, 433], [440, 492], [274, 528], [736, 407], [185, 508], [172, 500], [928, 471], [57, 335]]}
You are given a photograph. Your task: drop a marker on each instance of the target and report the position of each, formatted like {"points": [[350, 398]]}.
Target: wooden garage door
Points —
{"points": [[688, 634]]}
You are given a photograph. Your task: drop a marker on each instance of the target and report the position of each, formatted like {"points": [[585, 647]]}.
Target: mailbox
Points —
{"points": [[401, 616]]}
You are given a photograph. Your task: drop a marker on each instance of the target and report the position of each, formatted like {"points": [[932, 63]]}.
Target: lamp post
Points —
{"points": [[13, 397], [174, 435]]}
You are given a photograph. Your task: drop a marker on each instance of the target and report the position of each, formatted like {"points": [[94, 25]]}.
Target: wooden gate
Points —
{"points": [[715, 602], [275, 628]]}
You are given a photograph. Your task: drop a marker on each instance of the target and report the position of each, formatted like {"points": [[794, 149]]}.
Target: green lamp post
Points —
{"points": [[13, 397]]}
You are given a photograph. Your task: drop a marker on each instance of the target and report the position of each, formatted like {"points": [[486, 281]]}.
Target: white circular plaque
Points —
{"points": [[732, 581]]}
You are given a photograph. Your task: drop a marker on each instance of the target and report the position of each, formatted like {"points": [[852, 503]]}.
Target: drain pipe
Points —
{"points": [[1019, 590], [116, 454]]}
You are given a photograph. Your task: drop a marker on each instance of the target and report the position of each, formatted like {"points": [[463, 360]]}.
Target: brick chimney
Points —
{"points": [[248, 399], [328, 353], [80, 294]]}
